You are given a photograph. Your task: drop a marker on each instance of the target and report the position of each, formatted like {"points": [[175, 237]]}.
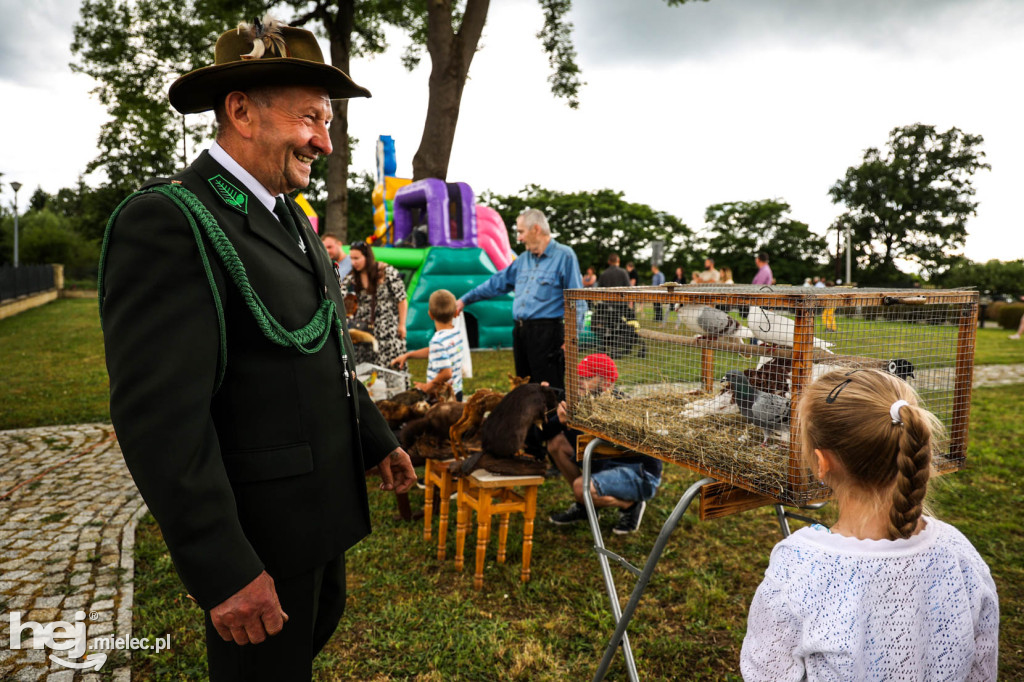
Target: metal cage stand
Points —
{"points": [[643, 576]]}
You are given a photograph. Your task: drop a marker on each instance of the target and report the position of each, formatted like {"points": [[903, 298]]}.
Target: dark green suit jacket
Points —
{"points": [[267, 471]]}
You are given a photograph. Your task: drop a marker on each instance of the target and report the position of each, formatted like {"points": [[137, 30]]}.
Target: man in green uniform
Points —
{"points": [[232, 390]]}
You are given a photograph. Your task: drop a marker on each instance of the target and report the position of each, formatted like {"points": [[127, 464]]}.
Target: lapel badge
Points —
{"points": [[230, 195]]}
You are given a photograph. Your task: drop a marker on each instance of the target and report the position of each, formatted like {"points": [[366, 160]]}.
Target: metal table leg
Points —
{"points": [[622, 617]]}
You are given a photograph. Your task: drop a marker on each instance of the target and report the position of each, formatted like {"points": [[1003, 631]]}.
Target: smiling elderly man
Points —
{"points": [[230, 369]]}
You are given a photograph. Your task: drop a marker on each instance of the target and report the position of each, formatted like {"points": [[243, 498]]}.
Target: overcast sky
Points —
{"points": [[731, 100]]}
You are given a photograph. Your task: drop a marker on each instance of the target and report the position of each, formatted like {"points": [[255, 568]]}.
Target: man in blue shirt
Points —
{"points": [[538, 277]]}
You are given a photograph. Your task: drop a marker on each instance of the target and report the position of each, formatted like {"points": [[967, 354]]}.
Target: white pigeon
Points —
{"points": [[770, 327]]}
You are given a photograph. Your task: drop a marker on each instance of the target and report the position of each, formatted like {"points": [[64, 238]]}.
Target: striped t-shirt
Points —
{"points": [[446, 351]]}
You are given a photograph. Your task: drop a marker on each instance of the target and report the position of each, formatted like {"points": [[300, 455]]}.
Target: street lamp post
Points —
{"points": [[15, 186], [849, 277]]}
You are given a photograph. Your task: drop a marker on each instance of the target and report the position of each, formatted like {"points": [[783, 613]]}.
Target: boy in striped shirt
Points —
{"points": [[444, 354]]}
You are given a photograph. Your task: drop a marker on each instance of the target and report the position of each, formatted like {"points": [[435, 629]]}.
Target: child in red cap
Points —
{"points": [[624, 482]]}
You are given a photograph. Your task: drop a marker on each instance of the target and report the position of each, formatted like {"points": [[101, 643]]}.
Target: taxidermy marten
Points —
{"points": [[503, 433], [436, 422]]}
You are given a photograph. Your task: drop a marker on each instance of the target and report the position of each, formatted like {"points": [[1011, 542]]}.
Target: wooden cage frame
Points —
{"points": [[804, 302]]}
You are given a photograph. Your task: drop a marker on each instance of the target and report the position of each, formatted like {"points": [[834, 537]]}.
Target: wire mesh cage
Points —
{"points": [[710, 376]]}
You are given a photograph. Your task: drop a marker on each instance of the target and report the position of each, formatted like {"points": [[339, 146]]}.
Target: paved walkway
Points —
{"points": [[68, 510]]}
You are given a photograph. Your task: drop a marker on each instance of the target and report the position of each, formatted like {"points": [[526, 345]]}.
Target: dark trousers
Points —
{"points": [[537, 351], [314, 602], [657, 312]]}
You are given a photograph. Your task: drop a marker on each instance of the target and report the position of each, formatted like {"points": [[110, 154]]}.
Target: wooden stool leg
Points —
{"points": [[404, 508], [483, 533], [461, 521], [445, 493], [428, 502], [502, 536], [528, 516]]}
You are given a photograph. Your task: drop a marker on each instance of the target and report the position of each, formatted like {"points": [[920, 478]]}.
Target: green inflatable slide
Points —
{"points": [[489, 323]]}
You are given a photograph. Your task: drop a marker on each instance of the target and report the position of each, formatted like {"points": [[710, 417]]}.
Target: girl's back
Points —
{"points": [[838, 608]]}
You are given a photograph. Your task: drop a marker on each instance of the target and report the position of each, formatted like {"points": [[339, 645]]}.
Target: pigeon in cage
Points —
{"points": [[710, 322], [766, 410], [769, 326]]}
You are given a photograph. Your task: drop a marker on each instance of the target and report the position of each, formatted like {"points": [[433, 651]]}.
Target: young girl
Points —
{"points": [[887, 593]]}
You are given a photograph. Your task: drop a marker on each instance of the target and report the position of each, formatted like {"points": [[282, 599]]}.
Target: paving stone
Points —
{"points": [[61, 676]]}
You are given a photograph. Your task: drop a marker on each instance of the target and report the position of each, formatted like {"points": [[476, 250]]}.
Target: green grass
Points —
{"points": [[54, 373], [412, 617], [53, 366]]}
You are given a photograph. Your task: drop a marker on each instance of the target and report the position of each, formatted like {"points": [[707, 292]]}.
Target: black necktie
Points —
{"points": [[282, 212]]}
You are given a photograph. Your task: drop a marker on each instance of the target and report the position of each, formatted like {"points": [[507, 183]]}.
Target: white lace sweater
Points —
{"points": [[837, 608]]}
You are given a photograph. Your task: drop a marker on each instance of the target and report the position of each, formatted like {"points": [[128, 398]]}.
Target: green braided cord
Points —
{"points": [[222, 355], [308, 339]]}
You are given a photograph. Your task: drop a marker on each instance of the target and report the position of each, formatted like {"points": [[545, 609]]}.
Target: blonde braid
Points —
{"points": [[913, 468]]}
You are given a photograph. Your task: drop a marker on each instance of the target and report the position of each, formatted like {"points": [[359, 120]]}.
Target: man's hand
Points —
{"points": [[251, 614], [563, 412], [459, 305], [424, 386], [396, 472]]}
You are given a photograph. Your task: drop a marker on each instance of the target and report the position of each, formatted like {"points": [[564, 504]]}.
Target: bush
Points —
{"points": [[47, 237], [1010, 314], [992, 310]]}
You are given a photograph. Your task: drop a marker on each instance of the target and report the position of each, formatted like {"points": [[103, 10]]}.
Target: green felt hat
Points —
{"points": [[263, 53]]}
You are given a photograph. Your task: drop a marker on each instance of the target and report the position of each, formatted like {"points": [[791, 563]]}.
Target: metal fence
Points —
{"points": [[25, 279]]}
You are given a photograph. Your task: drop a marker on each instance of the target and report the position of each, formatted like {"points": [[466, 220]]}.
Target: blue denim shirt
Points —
{"points": [[538, 282]]}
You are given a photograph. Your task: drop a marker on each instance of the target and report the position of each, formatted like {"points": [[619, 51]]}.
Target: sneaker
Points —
{"points": [[575, 513], [629, 518], [1015, 337]]}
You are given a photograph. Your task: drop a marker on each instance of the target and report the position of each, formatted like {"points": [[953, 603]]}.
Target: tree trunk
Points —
{"points": [[340, 32], [451, 53]]}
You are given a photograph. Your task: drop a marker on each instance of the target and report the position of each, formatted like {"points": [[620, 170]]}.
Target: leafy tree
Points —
{"points": [[995, 278], [451, 38], [85, 208], [135, 49], [45, 236], [597, 223], [738, 230], [911, 200]]}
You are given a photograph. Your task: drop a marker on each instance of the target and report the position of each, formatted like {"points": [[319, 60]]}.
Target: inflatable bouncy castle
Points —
{"points": [[439, 238]]}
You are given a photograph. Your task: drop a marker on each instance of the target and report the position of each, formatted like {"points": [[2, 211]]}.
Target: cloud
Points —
{"points": [[650, 31], [37, 39]]}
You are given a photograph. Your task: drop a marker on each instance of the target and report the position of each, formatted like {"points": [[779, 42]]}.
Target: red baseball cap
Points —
{"points": [[600, 365]]}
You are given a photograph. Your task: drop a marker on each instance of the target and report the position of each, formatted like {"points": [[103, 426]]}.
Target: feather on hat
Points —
{"points": [[265, 52]]}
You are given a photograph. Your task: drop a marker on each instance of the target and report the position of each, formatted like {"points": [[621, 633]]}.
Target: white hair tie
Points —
{"points": [[894, 411]]}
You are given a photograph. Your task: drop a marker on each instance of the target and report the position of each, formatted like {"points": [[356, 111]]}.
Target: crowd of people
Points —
{"points": [[252, 423]]}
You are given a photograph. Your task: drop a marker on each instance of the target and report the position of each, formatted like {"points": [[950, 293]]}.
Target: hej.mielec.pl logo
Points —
{"points": [[71, 637]]}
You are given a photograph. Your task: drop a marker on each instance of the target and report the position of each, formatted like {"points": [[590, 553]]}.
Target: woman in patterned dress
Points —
{"points": [[382, 306]]}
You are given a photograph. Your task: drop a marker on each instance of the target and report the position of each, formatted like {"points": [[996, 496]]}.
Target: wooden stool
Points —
{"points": [[491, 494], [436, 474]]}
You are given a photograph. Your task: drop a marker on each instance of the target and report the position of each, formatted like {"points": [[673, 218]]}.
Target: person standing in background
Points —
{"points": [[764, 271], [657, 279]]}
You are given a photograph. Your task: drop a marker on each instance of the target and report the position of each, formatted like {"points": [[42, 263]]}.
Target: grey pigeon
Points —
{"points": [[714, 323], [767, 410]]}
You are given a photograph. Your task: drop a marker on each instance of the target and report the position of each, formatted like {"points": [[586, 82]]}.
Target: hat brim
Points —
{"points": [[202, 89]]}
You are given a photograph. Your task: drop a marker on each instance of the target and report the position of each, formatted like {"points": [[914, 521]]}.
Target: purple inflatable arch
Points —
{"points": [[450, 212]]}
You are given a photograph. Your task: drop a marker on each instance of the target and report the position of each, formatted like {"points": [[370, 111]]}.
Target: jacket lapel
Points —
{"points": [[259, 220]]}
